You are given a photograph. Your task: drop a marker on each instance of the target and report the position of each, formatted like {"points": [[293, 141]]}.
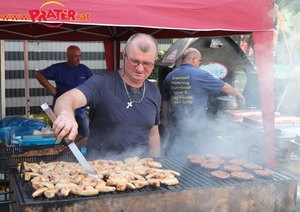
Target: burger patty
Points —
{"points": [[233, 168], [220, 174], [194, 156], [237, 162], [210, 165], [263, 173], [210, 156], [198, 160], [216, 160], [241, 175], [252, 166]]}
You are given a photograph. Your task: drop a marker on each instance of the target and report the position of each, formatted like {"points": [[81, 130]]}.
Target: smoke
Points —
{"points": [[216, 134], [140, 152], [287, 62]]}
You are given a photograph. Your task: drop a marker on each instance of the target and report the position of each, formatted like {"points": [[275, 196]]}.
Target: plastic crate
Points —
{"points": [[4, 191], [8, 156], [14, 161], [37, 140], [8, 161], [22, 149], [19, 131], [3, 162]]}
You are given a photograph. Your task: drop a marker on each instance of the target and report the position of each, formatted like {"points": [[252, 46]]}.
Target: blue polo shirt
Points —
{"points": [[67, 78], [186, 89]]}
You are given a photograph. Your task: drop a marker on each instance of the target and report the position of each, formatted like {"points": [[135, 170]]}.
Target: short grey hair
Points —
{"points": [[144, 44], [189, 53]]}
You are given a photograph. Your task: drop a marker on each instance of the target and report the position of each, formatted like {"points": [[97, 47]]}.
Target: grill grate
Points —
{"points": [[192, 176]]}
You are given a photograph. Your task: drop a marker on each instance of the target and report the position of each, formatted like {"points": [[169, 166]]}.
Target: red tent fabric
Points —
{"points": [[113, 21], [229, 15]]}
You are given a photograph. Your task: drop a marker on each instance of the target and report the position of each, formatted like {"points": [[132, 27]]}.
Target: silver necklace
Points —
{"points": [[129, 104]]}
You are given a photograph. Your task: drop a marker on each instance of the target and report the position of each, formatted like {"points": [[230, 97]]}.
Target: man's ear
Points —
{"points": [[124, 54]]}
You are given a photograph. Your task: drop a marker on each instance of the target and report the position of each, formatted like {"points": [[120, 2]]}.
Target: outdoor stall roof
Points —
{"points": [[113, 21]]}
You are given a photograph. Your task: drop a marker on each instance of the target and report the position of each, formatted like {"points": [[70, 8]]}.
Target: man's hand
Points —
{"points": [[53, 91], [240, 99], [65, 127]]}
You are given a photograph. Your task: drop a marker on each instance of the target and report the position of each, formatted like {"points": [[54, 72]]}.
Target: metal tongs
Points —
{"points": [[72, 146]]}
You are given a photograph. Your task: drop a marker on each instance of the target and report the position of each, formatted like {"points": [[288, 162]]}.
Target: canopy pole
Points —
{"points": [[26, 76], [263, 47], [2, 80], [115, 49]]}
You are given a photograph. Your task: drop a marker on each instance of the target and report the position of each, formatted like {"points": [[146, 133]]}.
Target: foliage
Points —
{"points": [[42, 115], [154, 74], [288, 9]]}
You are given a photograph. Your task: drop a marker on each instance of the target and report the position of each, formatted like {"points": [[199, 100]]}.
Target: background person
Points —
{"points": [[124, 106], [67, 75], [184, 101]]}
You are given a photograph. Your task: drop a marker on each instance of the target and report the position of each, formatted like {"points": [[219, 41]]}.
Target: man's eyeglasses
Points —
{"points": [[135, 62], [199, 60]]}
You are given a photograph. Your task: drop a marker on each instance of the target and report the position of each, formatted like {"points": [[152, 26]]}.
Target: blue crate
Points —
{"points": [[37, 140], [19, 131]]}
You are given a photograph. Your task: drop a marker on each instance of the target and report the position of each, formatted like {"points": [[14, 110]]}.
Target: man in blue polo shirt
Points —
{"points": [[67, 75], [184, 101]]}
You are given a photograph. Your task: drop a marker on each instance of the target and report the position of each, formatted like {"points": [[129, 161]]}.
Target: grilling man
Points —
{"points": [[124, 106], [184, 100]]}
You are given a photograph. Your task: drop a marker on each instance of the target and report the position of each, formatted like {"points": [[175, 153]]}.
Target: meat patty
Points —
{"points": [[252, 166], [233, 168], [210, 156], [263, 173], [210, 165], [198, 160], [216, 160], [220, 174], [194, 156], [241, 175], [237, 162]]}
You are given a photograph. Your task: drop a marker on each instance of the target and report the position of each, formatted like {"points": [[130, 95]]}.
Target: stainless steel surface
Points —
{"points": [[81, 159], [287, 130]]}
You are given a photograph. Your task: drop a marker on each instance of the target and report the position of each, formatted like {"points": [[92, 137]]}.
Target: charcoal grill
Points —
{"points": [[196, 191]]}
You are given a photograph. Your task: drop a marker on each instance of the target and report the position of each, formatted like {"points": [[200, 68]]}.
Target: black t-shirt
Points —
{"points": [[114, 128]]}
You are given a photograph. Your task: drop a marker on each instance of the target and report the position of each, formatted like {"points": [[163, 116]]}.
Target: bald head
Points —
{"points": [[144, 42], [192, 56], [72, 49], [190, 53], [73, 55]]}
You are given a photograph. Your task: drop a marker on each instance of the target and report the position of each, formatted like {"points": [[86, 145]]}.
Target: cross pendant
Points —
{"points": [[129, 104]]}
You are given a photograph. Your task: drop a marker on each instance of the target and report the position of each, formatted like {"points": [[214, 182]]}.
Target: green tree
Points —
{"points": [[154, 74], [288, 8]]}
